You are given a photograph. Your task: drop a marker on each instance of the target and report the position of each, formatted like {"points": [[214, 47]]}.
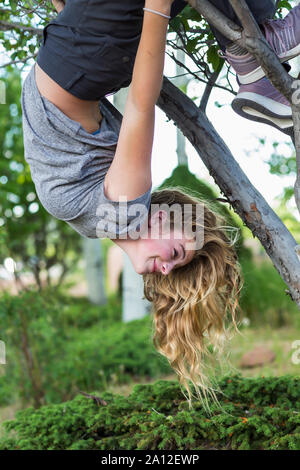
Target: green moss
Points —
{"points": [[254, 414]]}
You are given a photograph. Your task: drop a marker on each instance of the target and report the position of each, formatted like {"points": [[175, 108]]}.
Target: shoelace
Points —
{"points": [[223, 55], [281, 24]]}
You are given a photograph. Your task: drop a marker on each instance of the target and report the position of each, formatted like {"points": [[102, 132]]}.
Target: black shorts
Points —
{"points": [[89, 49]]}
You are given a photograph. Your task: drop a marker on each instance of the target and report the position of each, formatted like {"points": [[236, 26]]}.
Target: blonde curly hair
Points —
{"points": [[193, 303]]}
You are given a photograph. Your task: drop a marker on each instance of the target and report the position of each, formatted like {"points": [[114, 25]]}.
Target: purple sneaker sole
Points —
{"points": [[261, 102], [247, 107]]}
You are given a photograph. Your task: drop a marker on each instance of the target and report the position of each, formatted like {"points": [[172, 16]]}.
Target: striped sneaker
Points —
{"points": [[284, 38], [262, 102]]}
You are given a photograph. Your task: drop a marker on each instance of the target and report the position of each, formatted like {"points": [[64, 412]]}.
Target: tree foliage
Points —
{"points": [[28, 234]]}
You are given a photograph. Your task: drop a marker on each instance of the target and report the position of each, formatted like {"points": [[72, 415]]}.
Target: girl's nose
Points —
{"points": [[167, 267]]}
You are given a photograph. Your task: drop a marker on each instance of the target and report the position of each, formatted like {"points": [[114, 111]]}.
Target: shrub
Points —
{"points": [[254, 414], [57, 346], [264, 299], [33, 338], [103, 354]]}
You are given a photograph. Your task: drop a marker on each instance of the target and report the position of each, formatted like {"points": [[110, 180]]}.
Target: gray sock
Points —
{"points": [[235, 49]]}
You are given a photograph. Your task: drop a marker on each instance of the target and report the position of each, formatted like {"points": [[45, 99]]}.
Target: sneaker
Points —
{"points": [[262, 102], [284, 38]]}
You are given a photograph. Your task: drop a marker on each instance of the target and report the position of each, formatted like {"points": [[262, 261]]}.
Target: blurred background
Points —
{"points": [[72, 312]]}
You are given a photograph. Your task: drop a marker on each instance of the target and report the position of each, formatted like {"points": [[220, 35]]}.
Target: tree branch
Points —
{"points": [[246, 18], [8, 26], [196, 75], [209, 87], [227, 27], [17, 61]]}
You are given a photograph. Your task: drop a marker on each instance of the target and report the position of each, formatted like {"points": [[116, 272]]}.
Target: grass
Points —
{"points": [[278, 340]]}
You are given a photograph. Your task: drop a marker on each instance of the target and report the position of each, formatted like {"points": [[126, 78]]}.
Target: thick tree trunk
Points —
{"points": [[94, 269], [134, 305], [182, 80], [2, 353]]}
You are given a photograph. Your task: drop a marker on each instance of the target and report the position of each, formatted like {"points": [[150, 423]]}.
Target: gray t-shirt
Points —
{"points": [[68, 166]]}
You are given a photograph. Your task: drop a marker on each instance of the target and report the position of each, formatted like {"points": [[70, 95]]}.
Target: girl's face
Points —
{"points": [[160, 254]]}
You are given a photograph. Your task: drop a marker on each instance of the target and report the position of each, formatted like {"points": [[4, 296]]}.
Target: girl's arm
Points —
{"points": [[59, 5], [130, 172]]}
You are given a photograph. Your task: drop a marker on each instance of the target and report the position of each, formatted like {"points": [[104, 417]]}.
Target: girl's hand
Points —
{"points": [[59, 5]]}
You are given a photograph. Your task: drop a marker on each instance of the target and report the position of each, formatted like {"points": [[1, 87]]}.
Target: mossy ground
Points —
{"points": [[260, 414], [279, 340]]}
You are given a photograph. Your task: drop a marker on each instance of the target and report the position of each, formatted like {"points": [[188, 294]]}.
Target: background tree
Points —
{"points": [[28, 234]]}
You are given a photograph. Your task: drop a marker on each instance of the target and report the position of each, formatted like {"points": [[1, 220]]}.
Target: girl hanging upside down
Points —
{"points": [[99, 180]]}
